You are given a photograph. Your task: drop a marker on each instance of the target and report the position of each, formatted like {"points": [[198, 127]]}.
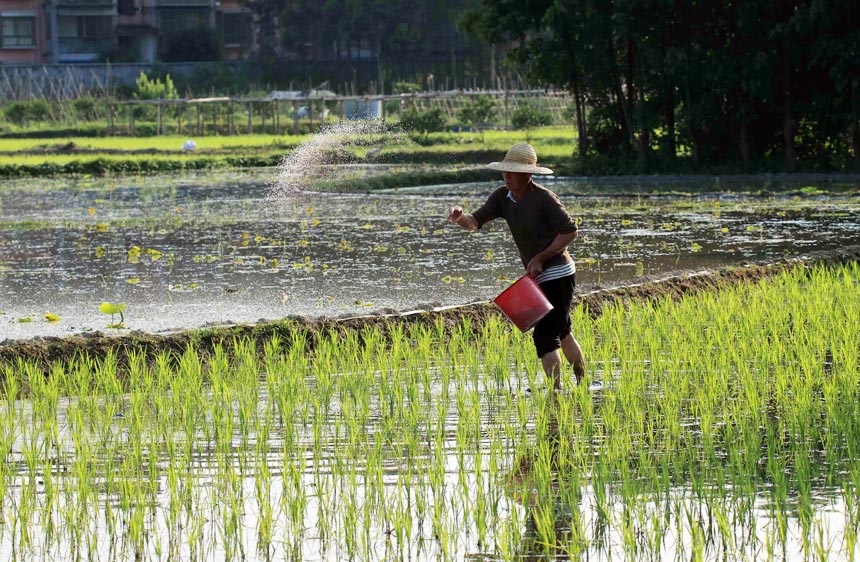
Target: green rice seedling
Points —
{"points": [[852, 512], [714, 423]]}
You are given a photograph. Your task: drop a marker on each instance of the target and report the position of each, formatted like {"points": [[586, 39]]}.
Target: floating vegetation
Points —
{"points": [[721, 426], [112, 309]]}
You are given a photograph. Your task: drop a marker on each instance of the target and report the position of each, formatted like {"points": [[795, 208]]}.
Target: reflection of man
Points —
{"points": [[541, 229], [534, 482]]}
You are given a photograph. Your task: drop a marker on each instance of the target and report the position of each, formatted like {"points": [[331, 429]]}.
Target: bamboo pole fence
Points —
{"points": [[280, 114]]}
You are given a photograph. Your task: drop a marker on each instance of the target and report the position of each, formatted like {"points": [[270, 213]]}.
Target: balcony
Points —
{"points": [[77, 48], [86, 3], [184, 3]]}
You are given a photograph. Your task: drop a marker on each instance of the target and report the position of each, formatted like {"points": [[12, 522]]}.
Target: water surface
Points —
{"points": [[195, 249]]}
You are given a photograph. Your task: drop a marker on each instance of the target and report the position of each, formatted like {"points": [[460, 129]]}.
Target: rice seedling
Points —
{"points": [[713, 428]]}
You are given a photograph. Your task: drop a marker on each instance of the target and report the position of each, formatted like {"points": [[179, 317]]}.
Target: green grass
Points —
{"points": [[165, 143], [123, 155], [724, 425]]}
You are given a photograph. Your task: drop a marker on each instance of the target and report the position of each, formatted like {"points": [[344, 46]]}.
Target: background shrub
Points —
{"points": [[426, 121], [23, 112], [479, 113], [529, 116]]}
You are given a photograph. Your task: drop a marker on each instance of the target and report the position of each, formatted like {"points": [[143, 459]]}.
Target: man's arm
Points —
{"points": [[467, 221], [557, 246]]}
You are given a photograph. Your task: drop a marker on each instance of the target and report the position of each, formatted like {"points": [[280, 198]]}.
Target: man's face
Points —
{"points": [[516, 181]]}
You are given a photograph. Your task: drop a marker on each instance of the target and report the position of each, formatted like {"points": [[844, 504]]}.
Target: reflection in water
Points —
{"points": [[536, 481], [418, 475]]}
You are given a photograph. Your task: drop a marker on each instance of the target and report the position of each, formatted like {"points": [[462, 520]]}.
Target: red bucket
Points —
{"points": [[524, 303]]}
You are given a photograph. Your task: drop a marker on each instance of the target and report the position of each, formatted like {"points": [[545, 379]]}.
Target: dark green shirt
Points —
{"points": [[534, 220]]}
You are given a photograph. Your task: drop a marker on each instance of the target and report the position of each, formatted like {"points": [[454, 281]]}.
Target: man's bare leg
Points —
{"points": [[551, 362], [573, 353]]}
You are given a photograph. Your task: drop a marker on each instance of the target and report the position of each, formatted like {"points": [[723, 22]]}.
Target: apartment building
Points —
{"points": [[22, 23], [69, 31]]}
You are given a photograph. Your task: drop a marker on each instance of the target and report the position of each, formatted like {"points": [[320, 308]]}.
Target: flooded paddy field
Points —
{"points": [[719, 426], [724, 426], [184, 251]]}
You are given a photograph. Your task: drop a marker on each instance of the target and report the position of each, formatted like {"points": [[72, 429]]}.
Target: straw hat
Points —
{"points": [[520, 158]]}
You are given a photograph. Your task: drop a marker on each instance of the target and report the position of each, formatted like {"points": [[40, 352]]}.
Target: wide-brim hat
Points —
{"points": [[520, 158]]}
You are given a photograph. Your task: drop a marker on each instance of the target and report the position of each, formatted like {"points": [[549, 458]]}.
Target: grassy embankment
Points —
{"points": [[449, 153]]}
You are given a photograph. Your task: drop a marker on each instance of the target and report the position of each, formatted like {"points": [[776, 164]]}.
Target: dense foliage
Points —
{"points": [[761, 82], [529, 116]]}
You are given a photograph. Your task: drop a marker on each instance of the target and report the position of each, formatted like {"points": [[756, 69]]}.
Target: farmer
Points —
{"points": [[541, 229]]}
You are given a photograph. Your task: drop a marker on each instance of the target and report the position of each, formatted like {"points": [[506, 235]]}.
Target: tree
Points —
{"points": [[426, 121], [529, 116], [268, 20], [478, 112]]}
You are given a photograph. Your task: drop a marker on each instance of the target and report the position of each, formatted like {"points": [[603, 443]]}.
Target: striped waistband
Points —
{"points": [[556, 272]]}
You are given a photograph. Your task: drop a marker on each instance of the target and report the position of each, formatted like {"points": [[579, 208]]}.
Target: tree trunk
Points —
{"points": [[669, 107], [644, 141], [855, 126], [493, 65], [697, 146], [379, 67], [624, 117], [744, 145], [670, 123], [787, 122], [695, 134], [743, 133], [582, 134]]}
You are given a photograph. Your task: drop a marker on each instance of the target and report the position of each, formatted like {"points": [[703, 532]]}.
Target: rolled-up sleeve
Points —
{"points": [[490, 209]]}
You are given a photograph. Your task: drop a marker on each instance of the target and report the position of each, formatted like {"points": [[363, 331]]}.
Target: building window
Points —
{"points": [[236, 29], [86, 27], [179, 20], [17, 32], [125, 7]]}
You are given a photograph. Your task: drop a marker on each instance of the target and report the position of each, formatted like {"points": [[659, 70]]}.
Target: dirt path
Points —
{"points": [[45, 351]]}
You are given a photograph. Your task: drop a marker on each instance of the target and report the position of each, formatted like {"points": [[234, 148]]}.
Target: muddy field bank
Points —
{"points": [[46, 351]]}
